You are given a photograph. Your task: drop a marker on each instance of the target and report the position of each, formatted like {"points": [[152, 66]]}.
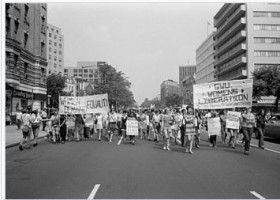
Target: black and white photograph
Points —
{"points": [[140, 100]]}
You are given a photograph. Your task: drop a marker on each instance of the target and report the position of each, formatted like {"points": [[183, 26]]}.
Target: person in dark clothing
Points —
{"points": [[261, 120], [63, 129]]}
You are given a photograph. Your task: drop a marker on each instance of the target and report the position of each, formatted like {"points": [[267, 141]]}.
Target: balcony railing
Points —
{"points": [[233, 64], [228, 22], [227, 12], [230, 43]]}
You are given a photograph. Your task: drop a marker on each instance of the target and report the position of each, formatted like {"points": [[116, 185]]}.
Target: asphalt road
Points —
{"points": [[143, 171], [272, 133]]}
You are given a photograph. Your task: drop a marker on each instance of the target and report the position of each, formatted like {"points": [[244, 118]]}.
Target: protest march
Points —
{"points": [[220, 109]]}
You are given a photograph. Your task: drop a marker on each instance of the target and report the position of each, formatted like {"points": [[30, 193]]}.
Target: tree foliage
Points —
{"points": [[147, 103], [267, 83], [173, 100], [55, 85], [116, 85]]}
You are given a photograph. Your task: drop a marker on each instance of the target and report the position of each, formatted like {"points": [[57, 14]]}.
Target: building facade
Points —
{"points": [[26, 63], [167, 88], [205, 61], [187, 85], [247, 37], [85, 70], [185, 71], [55, 50]]}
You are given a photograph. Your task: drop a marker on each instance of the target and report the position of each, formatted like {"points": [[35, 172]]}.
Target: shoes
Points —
{"points": [[164, 148], [99, 140], [187, 151], [35, 144], [246, 152], [20, 148], [261, 147], [190, 152], [197, 146], [168, 149], [62, 142]]}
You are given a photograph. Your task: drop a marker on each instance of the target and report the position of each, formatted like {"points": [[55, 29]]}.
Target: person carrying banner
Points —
{"points": [[176, 130], [26, 129], [18, 119], [79, 127], [189, 123], [167, 122], [197, 123], [248, 123], [132, 115], [62, 128], [223, 117], [233, 134], [213, 138], [112, 119]]}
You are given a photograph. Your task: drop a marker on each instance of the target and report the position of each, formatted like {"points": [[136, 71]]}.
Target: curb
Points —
{"points": [[17, 144]]}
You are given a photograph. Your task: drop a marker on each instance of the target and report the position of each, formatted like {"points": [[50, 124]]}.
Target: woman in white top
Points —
{"points": [[35, 124], [99, 125], [167, 122], [156, 123]]}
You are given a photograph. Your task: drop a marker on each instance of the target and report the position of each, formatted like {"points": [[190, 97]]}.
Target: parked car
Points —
{"points": [[8, 119]]}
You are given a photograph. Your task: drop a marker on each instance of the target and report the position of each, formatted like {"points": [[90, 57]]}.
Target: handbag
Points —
{"points": [[25, 129]]}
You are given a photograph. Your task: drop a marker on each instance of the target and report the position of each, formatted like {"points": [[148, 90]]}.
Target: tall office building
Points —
{"points": [[85, 70], [26, 63], [205, 61], [55, 49], [185, 71], [167, 88], [247, 37]]}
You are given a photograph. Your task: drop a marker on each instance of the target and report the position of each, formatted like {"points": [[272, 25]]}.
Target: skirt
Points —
{"points": [[189, 129]]}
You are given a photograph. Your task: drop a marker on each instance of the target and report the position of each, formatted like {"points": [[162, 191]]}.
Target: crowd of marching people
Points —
{"points": [[183, 126]]}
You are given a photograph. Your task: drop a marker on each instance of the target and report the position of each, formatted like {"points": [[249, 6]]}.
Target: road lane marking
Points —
{"points": [[257, 195], [93, 192], [267, 149]]}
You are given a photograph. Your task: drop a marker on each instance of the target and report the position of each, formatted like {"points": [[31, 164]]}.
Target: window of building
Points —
{"points": [[65, 70], [26, 9], [91, 71], [54, 36], [85, 75], [25, 65], [75, 75], [8, 25], [54, 58], [85, 70], [54, 65], [90, 75], [267, 53], [57, 31], [60, 52], [55, 44], [266, 14], [52, 29], [60, 45], [50, 34], [42, 48], [50, 57], [80, 71], [60, 59], [266, 27], [25, 39], [16, 25], [75, 71], [267, 40], [54, 51], [50, 49], [259, 66], [50, 42]]}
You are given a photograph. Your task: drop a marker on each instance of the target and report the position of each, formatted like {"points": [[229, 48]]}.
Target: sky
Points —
{"points": [[146, 41]]}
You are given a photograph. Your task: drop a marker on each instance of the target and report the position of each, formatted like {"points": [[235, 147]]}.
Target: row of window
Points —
{"points": [[267, 53], [266, 14], [54, 58], [55, 51], [83, 70], [266, 27], [258, 66], [55, 37], [55, 44], [267, 40]]}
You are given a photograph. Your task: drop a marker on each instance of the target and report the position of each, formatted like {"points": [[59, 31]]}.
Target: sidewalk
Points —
{"points": [[13, 135]]}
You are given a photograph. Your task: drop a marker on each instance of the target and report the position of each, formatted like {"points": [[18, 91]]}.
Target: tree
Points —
{"points": [[173, 100], [115, 84], [147, 103], [267, 83], [55, 85]]}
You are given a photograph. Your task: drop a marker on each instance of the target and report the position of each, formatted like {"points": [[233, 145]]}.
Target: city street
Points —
{"points": [[74, 170]]}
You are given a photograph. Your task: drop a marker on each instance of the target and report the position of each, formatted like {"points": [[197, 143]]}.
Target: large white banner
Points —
{"points": [[232, 120], [223, 94], [84, 104]]}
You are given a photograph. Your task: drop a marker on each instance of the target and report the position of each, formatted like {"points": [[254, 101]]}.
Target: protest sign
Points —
{"points": [[223, 94], [232, 120], [84, 104], [70, 122], [214, 126], [131, 126], [89, 120]]}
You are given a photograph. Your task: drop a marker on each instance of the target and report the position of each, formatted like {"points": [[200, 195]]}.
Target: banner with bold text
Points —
{"points": [[131, 126], [223, 94], [232, 120], [84, 104], [214, 126]]}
